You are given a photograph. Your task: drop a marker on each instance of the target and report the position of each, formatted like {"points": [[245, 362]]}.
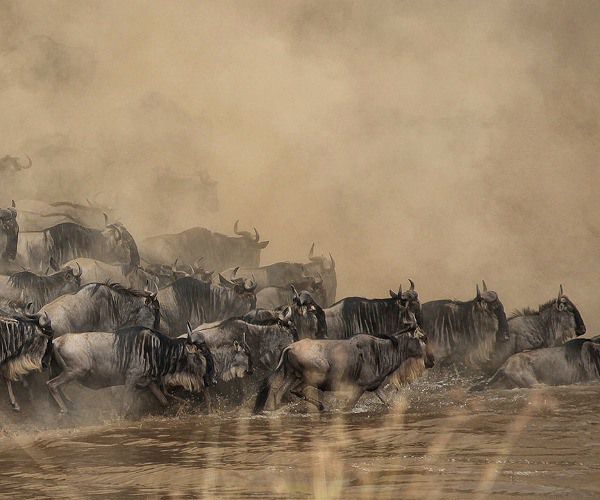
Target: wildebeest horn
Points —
{"points": [[295, 292], [235, 227], [105, 218], [393, 294], [412, 285], [189, 332], [560, 291], [174, 266], [78, 275], [484, 286], [332, 261], [400, 289], [311, 251], [43, 320], [478, 292], [225, 282], [235, 270], [13, 204], [257, 237], [192, 269]]}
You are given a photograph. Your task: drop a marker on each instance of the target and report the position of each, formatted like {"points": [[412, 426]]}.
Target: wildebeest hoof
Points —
{"points": [[16, 407]]}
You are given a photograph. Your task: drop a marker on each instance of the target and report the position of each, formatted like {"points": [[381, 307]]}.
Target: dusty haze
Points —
{"points": [[446, 142]]}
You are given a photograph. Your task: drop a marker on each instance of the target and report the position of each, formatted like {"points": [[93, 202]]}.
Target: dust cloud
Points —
{"points": [[447, 142]]}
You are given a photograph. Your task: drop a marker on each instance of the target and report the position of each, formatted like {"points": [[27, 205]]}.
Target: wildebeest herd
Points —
{"points": [[194, 312]]}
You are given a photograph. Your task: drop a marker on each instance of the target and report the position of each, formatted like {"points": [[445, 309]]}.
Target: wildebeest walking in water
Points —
{"points": [[64, 242], [194, 301], [134, 357], [465, 333], [576, 361], [103, 307], [550, 325], [25, 346], [351, 366], [38, 290]]}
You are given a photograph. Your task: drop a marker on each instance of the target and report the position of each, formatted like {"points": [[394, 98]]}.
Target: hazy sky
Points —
{"points": [[443, 141]]}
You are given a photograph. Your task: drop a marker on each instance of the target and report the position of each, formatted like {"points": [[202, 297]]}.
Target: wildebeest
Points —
{"points": [[265, 342], [272, 297], [64, 242], [194, 301], [103, 307], [134, 357], [577, 360], [354, 315], [96, 271], [27, 287], [351, 366], [9, 235], [550, 325], [219, 251], [11, 164], [465, 332], [281, 274], [25, 346], [36, 215]]}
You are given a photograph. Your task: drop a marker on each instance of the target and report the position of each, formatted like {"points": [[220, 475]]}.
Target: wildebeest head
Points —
{"points": [[252, 239], [488, 302], [192, 370], [569, 313], [409, 299], [9, 233], [120, 245], [245, 288], [200, 273], [307, 316], [237, 361]]}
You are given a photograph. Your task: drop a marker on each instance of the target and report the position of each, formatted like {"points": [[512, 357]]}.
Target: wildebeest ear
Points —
{"points": [[13, 204], [262, 244], [29, 308], [54, 265], [393, 294], [590, 357], [560, 292]]}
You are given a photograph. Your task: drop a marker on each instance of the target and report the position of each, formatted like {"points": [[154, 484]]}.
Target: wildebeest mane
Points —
{"points": [[38, 287], [17, 334], [158, 353], [191, 293], [528, 311]]}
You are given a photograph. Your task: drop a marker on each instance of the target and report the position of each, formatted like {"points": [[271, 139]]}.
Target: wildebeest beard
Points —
{"points": [[22, 347], [162, 358], [70, 241]]}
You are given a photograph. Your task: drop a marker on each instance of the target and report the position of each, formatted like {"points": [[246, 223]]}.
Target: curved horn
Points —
{"points": [[257, 236], [235, 270], [412, 285], [192, 269], [332, 261], [105, 218], [78, 275], [311, 251], [478, 292], [296, 296], [560, 291], [174, 266], [484, 286], [13, 204], [225, 282], [235, 227]]}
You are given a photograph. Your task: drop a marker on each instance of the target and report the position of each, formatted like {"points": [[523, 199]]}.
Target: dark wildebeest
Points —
{"points": [[465, 332], [273, 297], [11, 164], [219, 251], [64, 242], [103, 307], [9, 235], [281, 274], [354, 315], [38, 290], [25, 347], [551, 325], [96, 271], [265, 342], [197, 302], [134, 357], [352, 366], [577, 360]]}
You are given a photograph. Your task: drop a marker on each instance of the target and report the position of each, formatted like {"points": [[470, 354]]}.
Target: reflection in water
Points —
{"points": [[444, 444]]}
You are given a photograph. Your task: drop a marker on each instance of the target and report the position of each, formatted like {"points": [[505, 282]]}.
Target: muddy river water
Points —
{"points": [[436, 443]]}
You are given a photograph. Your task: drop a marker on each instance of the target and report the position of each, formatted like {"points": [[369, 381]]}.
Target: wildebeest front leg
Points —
{"points": [[11, 396], [54, 388], [158, 394], [382, 398], [355, 395]]}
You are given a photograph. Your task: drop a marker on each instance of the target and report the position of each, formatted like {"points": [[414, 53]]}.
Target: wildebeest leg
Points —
{"points": [[380, 395], [355, 395], [158, 394], [11, 396], [289, 381], [54, 387], [300, 391]]}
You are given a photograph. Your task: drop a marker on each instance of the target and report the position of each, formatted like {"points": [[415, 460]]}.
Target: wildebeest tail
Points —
{"points": [[265, 387]]}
